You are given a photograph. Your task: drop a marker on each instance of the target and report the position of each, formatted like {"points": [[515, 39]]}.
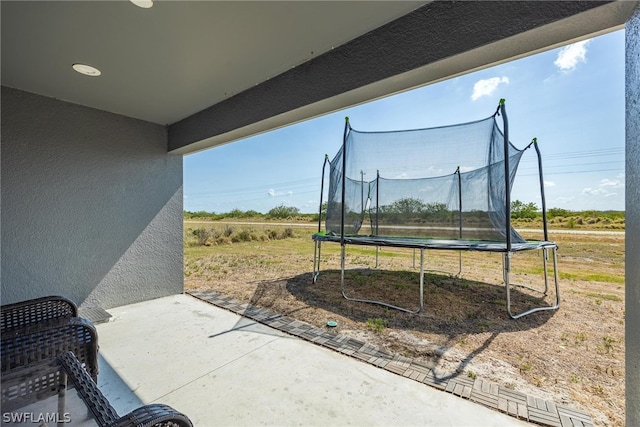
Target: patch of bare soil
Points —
{"points": [[573, 356]]}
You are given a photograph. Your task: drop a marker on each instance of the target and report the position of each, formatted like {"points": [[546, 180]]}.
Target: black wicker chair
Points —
{"points": [[32, 384], [36, 310], [45, 340], [44, 328]]}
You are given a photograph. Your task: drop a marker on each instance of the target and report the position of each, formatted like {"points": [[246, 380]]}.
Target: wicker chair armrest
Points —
{"points": [[46, 340], [154, 415], [88, 390], [24, 313]]}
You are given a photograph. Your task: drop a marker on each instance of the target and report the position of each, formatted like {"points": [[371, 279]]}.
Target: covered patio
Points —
{"points": [[91, 175], [230, 363]]}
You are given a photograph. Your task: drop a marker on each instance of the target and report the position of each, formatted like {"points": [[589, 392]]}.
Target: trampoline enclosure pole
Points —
{"points": [[377, 200], [377, 211], [459, 200], [362, 195], [507, 180], [326, 159], [544, 202], [460, 217], [344, 166]]}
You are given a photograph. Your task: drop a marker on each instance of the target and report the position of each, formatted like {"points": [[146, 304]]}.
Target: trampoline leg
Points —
{"points": [[342, 255], [506, 265], [545, 257], [421, 279], [316, 261], [506, 271], [377, 251]]}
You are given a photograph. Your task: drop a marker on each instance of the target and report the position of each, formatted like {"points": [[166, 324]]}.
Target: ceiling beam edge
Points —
{"points": [[418, 49]]}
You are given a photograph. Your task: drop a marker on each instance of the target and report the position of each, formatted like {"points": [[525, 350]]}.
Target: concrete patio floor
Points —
{"points": [[222, 369]]}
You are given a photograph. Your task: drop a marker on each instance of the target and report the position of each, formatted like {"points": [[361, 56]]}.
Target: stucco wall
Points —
{"points": [[91, 204], [632, 200]]}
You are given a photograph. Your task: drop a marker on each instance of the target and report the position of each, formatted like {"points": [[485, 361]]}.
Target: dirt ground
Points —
{"points": [[573, 356]]}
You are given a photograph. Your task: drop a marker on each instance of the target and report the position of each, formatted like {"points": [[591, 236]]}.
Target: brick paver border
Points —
{"points": [[486, 393]]}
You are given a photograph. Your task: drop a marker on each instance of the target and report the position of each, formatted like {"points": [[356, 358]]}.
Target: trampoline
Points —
{"points": [[411, 203]]}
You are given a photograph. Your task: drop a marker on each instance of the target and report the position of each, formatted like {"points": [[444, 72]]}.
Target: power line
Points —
{"points": [[249, 194], [304, 183], [574, 172]]}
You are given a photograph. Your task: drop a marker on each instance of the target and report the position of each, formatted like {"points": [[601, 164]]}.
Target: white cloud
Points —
{"points": [[611, 183], [570, 56], [273, 193], [597, 192], [604, 188], [549, 184], [487, 86]]}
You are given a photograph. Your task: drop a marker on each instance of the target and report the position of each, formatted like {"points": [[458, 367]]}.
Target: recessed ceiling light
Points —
{"points": [[87, 70], [145, 4]]}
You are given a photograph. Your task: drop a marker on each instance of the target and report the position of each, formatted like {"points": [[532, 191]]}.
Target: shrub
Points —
{"points": [[203, 235], [377, 325], [242, 236], [288, 232]]}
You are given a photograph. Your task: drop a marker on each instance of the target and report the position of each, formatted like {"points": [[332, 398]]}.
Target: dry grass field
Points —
{"points": [[574, 355]]}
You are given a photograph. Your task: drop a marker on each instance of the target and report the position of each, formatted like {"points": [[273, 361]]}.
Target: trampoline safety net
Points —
{"points": [[445, 182]]}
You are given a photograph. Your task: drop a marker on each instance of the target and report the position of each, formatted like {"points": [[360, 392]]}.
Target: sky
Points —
{"points": [[571, 99]]}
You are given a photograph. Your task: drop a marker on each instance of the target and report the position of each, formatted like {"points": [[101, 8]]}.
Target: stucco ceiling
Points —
{"points": [[216, 71], [167, 62]]}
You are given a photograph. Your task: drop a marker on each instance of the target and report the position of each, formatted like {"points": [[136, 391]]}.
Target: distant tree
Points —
{"points": [[283, 212], [252, 214], [436, 211], [557, 212], [408, 206], [236, 213], [521, 210], [199, 214]]}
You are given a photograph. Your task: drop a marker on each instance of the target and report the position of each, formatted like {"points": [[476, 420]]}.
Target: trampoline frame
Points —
{"points": [[435, 244], [506, 247]]}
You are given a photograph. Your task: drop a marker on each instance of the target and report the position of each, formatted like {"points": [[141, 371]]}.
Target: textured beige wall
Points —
{"points": [[91, 204], [632, 262]]}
